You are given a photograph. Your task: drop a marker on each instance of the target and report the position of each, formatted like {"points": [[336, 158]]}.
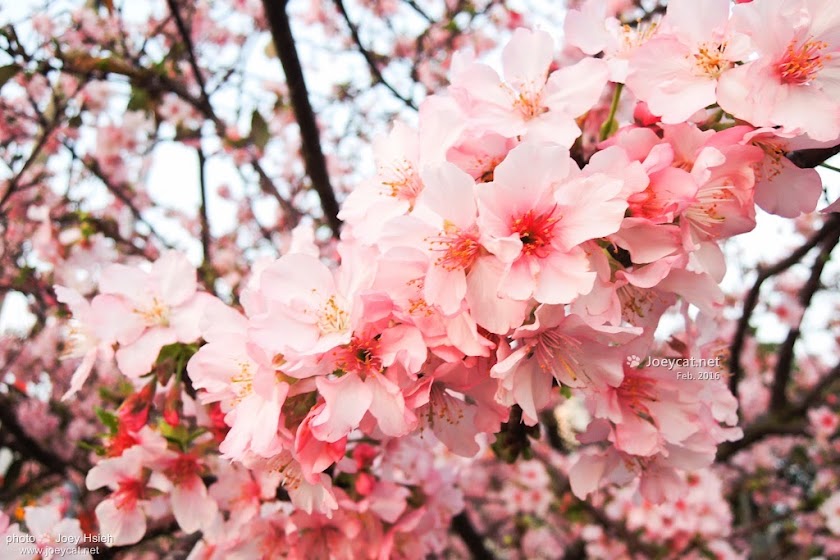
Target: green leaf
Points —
{"points": [[195, 433], [98, 449], [259, 130], [139, 100], [452, 26], [8, 72], [179, 435], [108, 419]]}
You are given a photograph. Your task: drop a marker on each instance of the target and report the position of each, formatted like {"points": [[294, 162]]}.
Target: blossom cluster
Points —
{"points": [[516, 249]]}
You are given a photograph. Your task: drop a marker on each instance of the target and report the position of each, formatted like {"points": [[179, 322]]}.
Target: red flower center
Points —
{"points": [[801, 63], [130, 490], [121, 441], [361, 356], [460, 248], [636, 391], [183, 468], [535, 232]]}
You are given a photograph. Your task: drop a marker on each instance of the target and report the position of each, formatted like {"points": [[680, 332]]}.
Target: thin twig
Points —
{"points": [[414, 6], [831, 226], [784, 362], [790, 421], [28, 446], [202, 209], [185, 35], [369, 58], [93, 166]]}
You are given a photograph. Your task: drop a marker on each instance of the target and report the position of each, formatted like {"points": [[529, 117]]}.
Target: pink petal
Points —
{"points": [[347, 399], [81, 374], [497, 315], [449, 192], [388, 407], [192, 507], [563, 276], [126, 526], [136, 359], [575, 89], [526, 59], [174, 278], [586, 473], [127, 281], [791, 192]]}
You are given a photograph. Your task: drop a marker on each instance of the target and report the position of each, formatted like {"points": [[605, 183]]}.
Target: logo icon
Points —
{"points": [[633, 360]]}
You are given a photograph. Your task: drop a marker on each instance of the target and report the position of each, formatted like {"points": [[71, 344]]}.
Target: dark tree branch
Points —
{"points": [[790, 421], [560, 486], [267, 187], [831, 227], [202, 209], [812, 158], [118, 191], [155, 84], [36, 151], [817, 393], [313, 156], [462, 525], [369, 58], [784, 363], [26, 445], [757, 431], [188, 44], [414, 6]]}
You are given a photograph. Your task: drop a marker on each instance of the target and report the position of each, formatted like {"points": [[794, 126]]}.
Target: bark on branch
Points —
{"points": [[831, 227], [784, 362], [462, 525], [369, 58], [313, 156]]}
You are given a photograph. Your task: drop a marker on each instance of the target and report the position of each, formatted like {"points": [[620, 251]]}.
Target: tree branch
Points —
{"points": [[368, 56], [830, 227], [36, 151], [28, 446], [462, 525], [784, 363], [202, 209], [560, 486], [185, 35], [92, 165], [789, 421], [313, 156], [812, 158], [815, 395], [419, 10]]}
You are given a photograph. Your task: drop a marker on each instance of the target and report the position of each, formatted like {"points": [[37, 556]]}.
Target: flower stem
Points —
{"points": [[610, 126]]}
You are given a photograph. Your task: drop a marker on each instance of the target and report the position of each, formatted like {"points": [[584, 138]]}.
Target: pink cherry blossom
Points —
{"points": [[535, 220], [530, 100], [155, 308], [791, 82], [676, 72]]}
